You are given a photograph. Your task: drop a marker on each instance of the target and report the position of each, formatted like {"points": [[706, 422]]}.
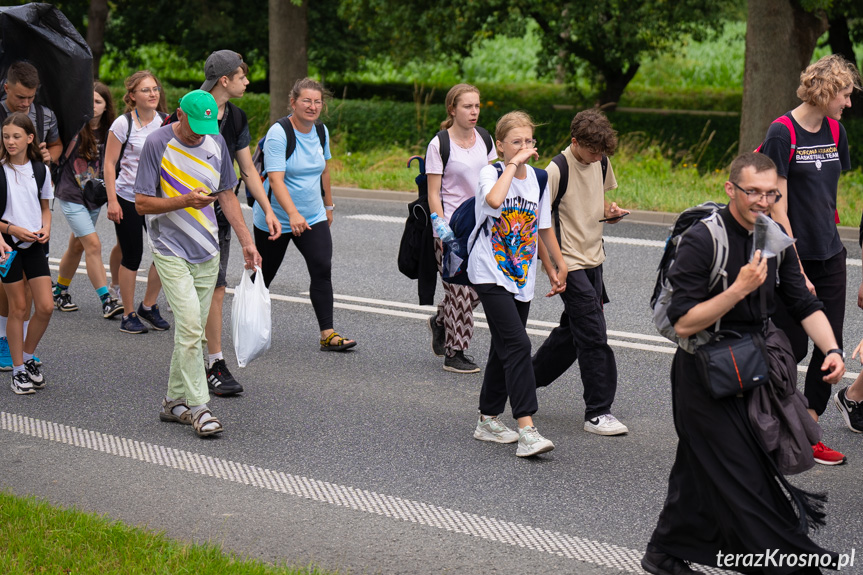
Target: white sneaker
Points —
{"points": [[530, 442], [492, 429], [605, 425]]}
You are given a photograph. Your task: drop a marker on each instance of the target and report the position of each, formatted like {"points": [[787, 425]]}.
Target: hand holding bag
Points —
{"points": [[250, 318]]}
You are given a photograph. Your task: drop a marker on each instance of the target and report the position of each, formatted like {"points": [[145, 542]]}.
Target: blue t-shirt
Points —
{"points": [[302, 175]]}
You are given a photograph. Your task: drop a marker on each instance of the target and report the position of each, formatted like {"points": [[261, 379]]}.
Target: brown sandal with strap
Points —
{"points": [[167, 412], [343, 345], [199, 425]]}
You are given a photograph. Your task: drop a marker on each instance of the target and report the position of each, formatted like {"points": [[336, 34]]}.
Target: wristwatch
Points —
{"points": [[836, 350], [329, 208]]}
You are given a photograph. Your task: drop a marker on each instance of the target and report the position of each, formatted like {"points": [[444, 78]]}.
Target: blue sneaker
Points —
{"points": [[131, 324], [153, 317], [5, 358]]}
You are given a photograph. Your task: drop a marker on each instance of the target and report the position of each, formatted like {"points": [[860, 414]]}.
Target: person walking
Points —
{"points": [[578, 189], [809, 184], [185, 167], [724, 491], [451, 181], [82, 167], [303, 202], [512, 213], [145, 105]]}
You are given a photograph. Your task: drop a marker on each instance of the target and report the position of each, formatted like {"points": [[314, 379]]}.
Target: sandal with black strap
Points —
{"points": [[343, 344], [200, 425]]}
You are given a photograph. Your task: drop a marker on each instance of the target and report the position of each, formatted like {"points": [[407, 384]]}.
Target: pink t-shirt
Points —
{"points": [[461, 179]]}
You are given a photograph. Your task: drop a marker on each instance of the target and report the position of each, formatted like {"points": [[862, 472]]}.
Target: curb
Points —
{"points": [[846, 233]]}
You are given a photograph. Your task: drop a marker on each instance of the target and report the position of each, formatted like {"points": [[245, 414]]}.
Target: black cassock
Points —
{"points": [[723, 493]]}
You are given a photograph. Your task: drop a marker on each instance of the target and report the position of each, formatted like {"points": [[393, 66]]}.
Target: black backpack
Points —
{"points": [[443, 138], [163, 117], [258, 156], [562, 183], [41, 173]]}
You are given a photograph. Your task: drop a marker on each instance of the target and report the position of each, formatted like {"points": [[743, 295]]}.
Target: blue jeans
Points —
{"points": [[189, 289]]}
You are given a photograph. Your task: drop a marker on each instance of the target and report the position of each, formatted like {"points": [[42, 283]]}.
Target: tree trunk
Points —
{"points": [[780, 39], [840, 43], [616, 82], [97, 17], [288, 52]]}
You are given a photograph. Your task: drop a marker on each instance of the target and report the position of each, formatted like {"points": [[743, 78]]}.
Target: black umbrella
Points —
{"points": [[43, 36]]}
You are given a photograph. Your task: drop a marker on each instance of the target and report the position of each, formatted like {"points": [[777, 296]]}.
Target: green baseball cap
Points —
{"points": [[203, 113]]}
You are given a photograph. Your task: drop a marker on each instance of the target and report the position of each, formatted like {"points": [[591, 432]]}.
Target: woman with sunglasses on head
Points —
{"points": [[83, 166], [451, 181], [303, 202], [809, 182], [145, 111]]}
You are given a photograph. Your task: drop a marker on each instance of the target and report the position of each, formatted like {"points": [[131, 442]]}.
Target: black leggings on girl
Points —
{"points": [[129, 235], [316, 247]]}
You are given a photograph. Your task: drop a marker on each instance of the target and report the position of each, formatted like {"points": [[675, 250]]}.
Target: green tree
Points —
{"points": [[608, 39]]}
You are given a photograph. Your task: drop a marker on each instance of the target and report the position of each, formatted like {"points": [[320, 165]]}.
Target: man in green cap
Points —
{"points": [[184, 168]]}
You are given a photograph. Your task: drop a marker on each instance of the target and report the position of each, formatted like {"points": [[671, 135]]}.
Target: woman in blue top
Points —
{"points": [[296, 185]]}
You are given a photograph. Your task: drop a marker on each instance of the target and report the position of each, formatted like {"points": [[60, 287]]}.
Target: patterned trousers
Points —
{"points": [[455, 311]]}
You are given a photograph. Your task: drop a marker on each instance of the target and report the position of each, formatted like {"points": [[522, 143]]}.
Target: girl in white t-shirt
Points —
{"points": [[511, 211], [145, 107], [448, 187], [25, 225]]}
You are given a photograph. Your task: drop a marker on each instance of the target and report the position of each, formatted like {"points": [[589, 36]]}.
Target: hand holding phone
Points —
{"points": [[613, 218]]}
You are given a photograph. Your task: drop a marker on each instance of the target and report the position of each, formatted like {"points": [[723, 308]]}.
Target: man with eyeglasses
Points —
{"points": [[22, 82], [724, 493], [578, 180]]}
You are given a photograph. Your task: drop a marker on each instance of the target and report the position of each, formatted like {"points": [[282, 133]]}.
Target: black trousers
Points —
{"points": [[581, 336], [830, 279], [316, 247], [508, 372]]}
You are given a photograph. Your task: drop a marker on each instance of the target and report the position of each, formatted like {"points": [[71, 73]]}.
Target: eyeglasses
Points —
{"points": [[772, 196], [522, 143], [148, 91], [308, 102]]}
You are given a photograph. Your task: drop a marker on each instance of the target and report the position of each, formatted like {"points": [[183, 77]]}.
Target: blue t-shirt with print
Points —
{"points": [[302, 175]]}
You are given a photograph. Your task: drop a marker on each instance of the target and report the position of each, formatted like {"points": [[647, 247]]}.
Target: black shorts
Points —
{"points": [[30, 261]]}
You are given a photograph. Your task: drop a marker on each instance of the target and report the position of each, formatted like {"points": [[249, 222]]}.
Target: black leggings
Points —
{"points": [[316, 247], [129, 235]]}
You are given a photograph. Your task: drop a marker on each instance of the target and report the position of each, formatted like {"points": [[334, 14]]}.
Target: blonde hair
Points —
{"points": [[822, 80], [507, 122], [452, 97], [131, 84]]}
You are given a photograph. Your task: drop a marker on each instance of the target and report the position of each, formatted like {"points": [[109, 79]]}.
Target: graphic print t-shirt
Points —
{"points": [[505, 251], [167, 169], [813, 179]]}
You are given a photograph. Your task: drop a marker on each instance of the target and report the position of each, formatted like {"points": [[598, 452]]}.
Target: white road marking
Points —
{"points": [[419, 512]]}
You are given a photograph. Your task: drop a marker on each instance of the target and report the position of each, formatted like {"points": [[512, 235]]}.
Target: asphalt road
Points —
{"points": [[365, 462]]}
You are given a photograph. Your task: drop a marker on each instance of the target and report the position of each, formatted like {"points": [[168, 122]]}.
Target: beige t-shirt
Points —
{"points": [[580, 210]]}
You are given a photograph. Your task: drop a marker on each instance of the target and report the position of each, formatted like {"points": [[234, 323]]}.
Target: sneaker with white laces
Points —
{"points": [[531, 443], [458, 362], [5, 356], [490, 428], [34, 373], [826, 456], [63, 302], [850, 410], [21, 384], [605, 425], [221, 382], [111, 308]]}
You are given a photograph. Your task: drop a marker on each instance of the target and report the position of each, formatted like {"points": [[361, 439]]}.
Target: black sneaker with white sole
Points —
{"points": [[34, 373], [221, 382], [63, 302], [111, 308], [850, 410], [21, 384], [460, 363]]}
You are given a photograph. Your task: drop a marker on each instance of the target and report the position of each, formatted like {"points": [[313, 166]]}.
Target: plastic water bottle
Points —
{"points": [[443, 231]]}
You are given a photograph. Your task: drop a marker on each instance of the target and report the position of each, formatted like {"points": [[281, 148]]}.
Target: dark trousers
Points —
{"points": [[581, 336], [316, 247], [508, 372], [829, 278]]}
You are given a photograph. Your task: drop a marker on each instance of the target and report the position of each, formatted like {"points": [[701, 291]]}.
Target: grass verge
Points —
{"points": [[36, 537]]}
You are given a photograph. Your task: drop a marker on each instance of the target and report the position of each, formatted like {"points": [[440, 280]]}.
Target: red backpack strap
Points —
{"points": [[834, 130], [786, 121]]}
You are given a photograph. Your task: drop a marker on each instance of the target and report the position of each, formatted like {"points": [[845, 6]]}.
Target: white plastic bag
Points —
{"points": [[250, 318]]}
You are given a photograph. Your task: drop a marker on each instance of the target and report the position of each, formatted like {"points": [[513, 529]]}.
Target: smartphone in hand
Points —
{"points": [[621, 216]]}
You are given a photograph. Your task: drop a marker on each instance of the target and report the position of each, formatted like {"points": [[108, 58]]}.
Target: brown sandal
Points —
{"points": [[167, 412], [199, 425], [343, 345]]}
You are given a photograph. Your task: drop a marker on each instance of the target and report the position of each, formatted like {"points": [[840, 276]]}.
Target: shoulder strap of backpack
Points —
{"points": [[716, 227], [128, 116], [322, 135], [3, 113], [4, 191], [562, 182], [443, 139], [40, 171], [834, 130], [486, 137], [286, 125], [786, 121], [40, 122], [603, 163], [542, 180], [236, 117]]}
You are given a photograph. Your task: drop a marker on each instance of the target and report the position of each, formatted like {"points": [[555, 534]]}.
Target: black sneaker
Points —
{"points": [[153, 317], [131, 324], [460, 363], [111, 308], [221, 382], [21, 384], [63, 302], [34, 373], [850, 410], [438, 336]]}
